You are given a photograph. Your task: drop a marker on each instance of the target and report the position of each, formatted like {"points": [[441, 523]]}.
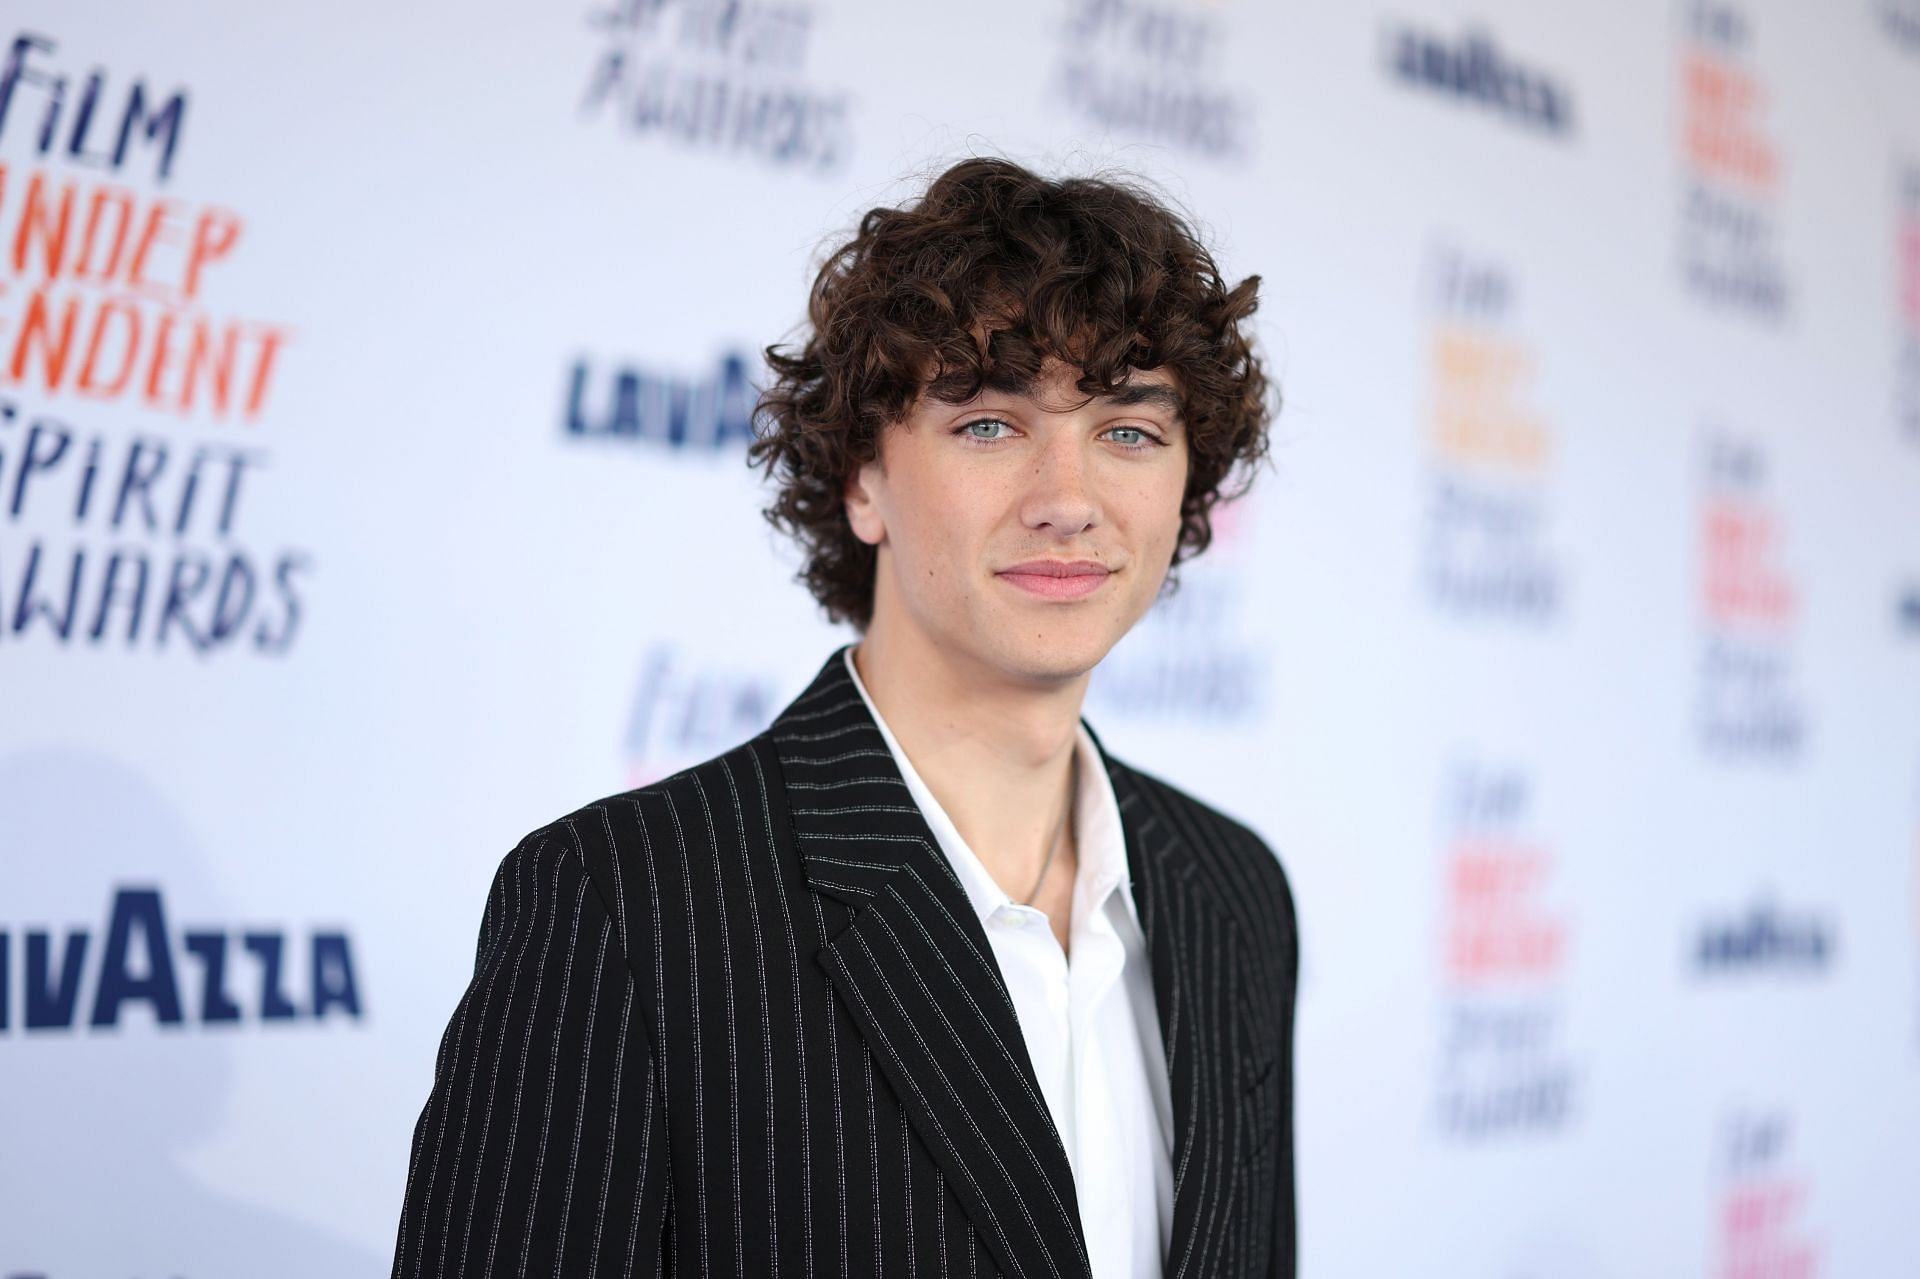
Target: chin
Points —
{"points": [[1064, 650]]}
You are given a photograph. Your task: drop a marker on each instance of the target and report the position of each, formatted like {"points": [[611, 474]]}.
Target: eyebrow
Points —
{"points": [[1154, 394]]}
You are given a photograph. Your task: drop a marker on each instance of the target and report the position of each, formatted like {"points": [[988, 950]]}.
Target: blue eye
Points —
{"points": [[984, 421], [987, 430], [1142, 441]]}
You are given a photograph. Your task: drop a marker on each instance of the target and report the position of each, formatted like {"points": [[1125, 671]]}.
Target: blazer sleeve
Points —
{"points": [[542, 1147], [1284, 1257]]}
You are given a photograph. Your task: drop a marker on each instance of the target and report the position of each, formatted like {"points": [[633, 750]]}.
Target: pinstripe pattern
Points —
{"points": [[745, 1021]]}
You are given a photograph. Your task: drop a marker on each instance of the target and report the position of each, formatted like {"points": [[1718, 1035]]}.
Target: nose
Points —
{"points": [[1059, 495]]}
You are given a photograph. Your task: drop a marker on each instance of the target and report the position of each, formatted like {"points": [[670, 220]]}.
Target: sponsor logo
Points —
{"points": [[1764, 938], [1731, 174], [88, 581], [646, 406], [110, 125], [1749, 705], [111, 285], [1488, 552], [1504, 1070], [1760, 1231], [717, 76], [1154, 72], [1472, 69], [108, 537], [199, 977]]}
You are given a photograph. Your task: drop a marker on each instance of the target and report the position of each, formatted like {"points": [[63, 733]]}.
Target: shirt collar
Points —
{"points": [[1101, 837]]}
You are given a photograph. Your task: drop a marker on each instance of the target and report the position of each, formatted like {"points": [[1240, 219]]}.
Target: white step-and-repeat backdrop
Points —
{"points": [[374, 385]]}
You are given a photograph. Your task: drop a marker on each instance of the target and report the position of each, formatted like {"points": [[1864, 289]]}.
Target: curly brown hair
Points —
{"points": [[992, 271]]}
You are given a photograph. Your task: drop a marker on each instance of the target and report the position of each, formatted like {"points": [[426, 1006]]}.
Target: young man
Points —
{"points": [[920, 980]]}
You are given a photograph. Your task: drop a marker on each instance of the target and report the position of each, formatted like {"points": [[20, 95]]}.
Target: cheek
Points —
{"points": [[933, 521], [1161, 512]]}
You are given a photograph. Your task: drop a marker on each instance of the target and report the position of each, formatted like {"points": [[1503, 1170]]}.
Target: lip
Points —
{"points": [[1057, 579]]}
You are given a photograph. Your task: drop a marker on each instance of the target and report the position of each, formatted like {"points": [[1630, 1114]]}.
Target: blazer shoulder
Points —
{"points": [[730, 799], [1241, 856], [676, 813]]}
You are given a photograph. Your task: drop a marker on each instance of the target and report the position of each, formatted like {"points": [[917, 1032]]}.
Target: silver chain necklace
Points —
{"points": [[1073, 792]]}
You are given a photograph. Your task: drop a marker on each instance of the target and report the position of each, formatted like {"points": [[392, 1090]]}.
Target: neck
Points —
{"points": [[994, 749]]}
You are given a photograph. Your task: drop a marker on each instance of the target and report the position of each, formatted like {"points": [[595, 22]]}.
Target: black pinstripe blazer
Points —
{"points": [[745, 1021]]}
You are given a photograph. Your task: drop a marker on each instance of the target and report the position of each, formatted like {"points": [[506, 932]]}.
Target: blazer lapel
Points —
{"points": [[1196, 953], [917, 975]]}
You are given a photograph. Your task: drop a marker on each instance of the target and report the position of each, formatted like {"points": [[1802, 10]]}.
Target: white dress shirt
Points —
{"points": [[1091, 1027]]}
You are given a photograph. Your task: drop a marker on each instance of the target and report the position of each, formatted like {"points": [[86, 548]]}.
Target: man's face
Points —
{"points": [[981, 505]]}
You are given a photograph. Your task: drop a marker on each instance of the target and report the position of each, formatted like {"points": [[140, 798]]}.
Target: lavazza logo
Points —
{"points": [[1764, 938], [627, 403], [200, 976], [1475, 71]]}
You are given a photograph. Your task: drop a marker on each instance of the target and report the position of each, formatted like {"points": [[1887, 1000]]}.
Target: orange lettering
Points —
{"points": [[156, 231], [38, 327], [91, 382], [46, 223]]}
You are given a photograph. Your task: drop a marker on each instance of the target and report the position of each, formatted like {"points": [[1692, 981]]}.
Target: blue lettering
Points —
{"points": [[229, 609], [1764, 938], [333, 976], [50, 1004], [211, 950], [160, 126], [265, 637], [34, 460], [576, 390], [136, 908], [16, 73], [1475, 70], [165, 122], [137, 965], [710, 412], [27, 606], [626, 406], [733, 418], [274, 1004], [138, 479], [179, 596], [110, 594]]}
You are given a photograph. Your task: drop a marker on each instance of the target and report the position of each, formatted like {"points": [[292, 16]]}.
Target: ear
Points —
{"points": [[861, 497]]}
